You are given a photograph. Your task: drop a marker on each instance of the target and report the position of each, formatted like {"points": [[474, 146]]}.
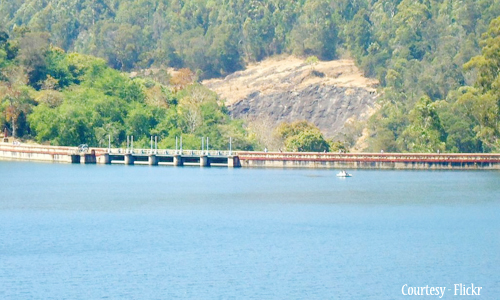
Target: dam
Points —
{"points": [[421, 161], [258, 159], [153, 157]]}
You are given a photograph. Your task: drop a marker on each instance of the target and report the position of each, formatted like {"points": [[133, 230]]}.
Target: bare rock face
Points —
{"points": [[328, 107], [327, 93]]}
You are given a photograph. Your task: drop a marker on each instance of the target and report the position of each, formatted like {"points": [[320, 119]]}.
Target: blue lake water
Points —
{"points": [[140, 232]]}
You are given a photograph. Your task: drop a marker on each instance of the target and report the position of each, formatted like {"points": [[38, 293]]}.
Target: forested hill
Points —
{"points": [[220, 36], [417, 49]]}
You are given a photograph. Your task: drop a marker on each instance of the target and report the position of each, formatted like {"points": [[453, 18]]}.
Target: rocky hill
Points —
{"points": [[287, 89]]}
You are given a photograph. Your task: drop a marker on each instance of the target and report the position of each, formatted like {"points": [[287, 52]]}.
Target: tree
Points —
{"points": [[484, 103], [120, 44], [459, 127], [44, 121], [139, 121], [338, 146], [358, 34], [316, 31], [302, 136], [410, 21], [15, 99], [182, 78], [33, 51], [425, 132], [199, 109], [307, 141], [312, 61], [49, 95], [262, 130]]}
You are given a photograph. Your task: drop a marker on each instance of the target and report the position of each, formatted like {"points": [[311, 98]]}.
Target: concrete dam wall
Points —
{"points": [[420, 161]]}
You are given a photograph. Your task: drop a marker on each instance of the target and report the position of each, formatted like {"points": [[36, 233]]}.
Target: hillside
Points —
{"points": [[326, 93]]}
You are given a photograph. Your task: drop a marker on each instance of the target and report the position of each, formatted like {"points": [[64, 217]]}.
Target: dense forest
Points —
{"points": [[69, 99], [437, 61], [61, 98]]}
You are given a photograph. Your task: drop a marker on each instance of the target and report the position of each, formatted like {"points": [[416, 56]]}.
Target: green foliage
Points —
{"points": [[16, 103], [482, 104], [459, 128], [338, 146], [302, 136], [386, 126], [82, 101], [316, 30], [214, 37], [432, 41], [33, 51], [312, 61], [425, 132]]}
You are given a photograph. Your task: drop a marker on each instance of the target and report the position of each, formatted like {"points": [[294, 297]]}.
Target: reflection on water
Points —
{"points": [[139, 232]]}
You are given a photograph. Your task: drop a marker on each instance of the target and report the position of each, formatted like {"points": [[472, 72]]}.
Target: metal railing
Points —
{"points": [[166, 152]]}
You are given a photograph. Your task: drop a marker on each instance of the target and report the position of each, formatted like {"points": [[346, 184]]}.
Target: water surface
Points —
{"points": [[140, 232]]}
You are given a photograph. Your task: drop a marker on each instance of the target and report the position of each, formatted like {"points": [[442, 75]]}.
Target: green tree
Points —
{"points": [[425, 132], [33, 51], [316, 32], [484, 103], [459, 127], [302, 136], [16, 101], [358, 35]]}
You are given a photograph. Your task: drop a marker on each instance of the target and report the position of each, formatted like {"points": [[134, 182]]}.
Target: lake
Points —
{"points": [[140, 232]]}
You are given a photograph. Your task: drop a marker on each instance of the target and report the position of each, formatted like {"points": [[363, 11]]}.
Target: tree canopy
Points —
{"points": [[77, 99]]}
